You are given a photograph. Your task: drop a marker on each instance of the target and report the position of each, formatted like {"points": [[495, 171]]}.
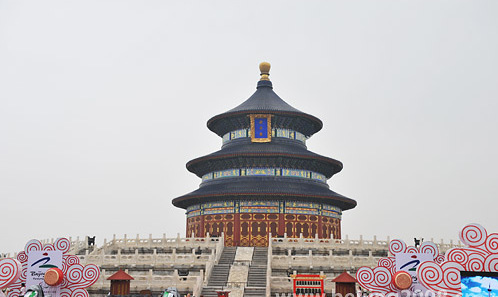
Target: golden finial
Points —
{"points": [[264, 67]]}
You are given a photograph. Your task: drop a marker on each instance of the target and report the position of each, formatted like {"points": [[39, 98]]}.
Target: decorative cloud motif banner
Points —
{"points": [[481, 255], [76, 276], [379, 280]]}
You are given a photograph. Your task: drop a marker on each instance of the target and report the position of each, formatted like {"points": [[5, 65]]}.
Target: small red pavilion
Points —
{"points": [[345, 284], [120, 283]]}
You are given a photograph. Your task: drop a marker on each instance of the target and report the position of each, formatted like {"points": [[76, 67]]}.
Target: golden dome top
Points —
{"points": [[264, 67]]}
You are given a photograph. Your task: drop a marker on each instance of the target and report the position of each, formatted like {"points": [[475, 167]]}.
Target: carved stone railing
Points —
{"points": [[131, 260], [164, 242], [346, 243], [310, 261], [330, 243]]}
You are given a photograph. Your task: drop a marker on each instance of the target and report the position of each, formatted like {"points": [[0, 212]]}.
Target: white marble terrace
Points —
{"points": [[157, 263]]}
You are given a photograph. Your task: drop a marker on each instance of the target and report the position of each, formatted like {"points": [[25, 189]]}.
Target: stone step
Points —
{"points": [[257, 276], [260, 256], [210, 291], [254, 292]]}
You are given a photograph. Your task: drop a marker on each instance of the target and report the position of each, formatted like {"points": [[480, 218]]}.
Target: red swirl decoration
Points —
{"points": [[431, 273], [411, 249], [491, 263], [429, 247], [33, 245], [74, 273], [10, 272], [457, 255], [492, 243], [91, 273], [386, 262], [377, 280], [49, 247], [22, 257], [80, 293], [475, 263], [65, 283], [452, 277], [389, 263], [365, 275], [439, 259], [24, 270], [68, 261], [397, 246], [473, 235], [62, 244], [382, 276], [14, 292], [80, 277], [437, 277], [66, 292]]}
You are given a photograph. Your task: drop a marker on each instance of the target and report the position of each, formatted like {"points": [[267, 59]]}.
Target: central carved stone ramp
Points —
{"points": [[219, 274], [256, 279]]}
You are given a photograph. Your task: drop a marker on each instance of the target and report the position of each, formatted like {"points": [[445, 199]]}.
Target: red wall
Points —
{"points": [[252, 229]]}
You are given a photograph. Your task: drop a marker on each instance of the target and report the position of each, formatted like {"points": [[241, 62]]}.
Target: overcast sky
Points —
{"points": [[103, 102]]}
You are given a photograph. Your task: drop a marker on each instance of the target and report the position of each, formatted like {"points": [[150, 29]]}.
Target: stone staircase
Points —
{"points": [[219, 274], [256, 279]]}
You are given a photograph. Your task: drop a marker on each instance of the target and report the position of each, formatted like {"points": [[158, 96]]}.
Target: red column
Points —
{"points": [[203, 234], [281, 224], [236, 229]]}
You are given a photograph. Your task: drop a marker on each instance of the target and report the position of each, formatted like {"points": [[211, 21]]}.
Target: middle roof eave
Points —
{"points": [[274, 149]]}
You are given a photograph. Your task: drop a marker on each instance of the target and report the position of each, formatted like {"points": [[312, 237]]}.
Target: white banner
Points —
{"points": [[409, 262], [38, 263]]}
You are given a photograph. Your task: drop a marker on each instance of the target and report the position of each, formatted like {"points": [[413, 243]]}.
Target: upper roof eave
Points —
{"points": [[265, 100]]}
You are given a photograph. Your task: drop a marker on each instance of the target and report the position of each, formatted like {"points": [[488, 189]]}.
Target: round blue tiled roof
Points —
{"points": [[265, 100]]}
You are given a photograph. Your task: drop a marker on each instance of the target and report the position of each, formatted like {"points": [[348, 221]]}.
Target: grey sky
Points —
{"points": [[103, 102]]}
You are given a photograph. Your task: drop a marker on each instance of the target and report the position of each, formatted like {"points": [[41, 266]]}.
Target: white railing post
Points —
{"points": [[198, 284], [268, 269], [102, 256], [119, 257]]}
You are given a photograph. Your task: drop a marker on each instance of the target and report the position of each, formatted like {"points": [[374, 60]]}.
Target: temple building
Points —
{"points": [[264, 181]]}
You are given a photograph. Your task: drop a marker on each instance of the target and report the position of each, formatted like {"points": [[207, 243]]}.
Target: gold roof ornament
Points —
{"points": [[264, 68]]}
